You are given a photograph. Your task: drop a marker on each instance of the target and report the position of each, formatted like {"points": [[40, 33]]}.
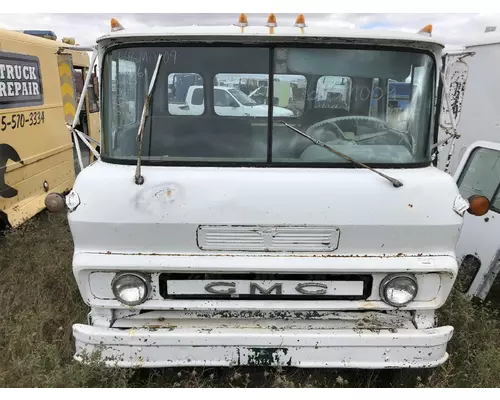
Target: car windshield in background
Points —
{"points": [[213, 104], [242, 97]]}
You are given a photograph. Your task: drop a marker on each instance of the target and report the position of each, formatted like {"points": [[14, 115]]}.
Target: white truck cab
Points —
{"points": [[321, 238]]}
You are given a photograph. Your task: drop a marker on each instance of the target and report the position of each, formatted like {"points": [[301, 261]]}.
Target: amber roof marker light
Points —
{"points": [[478, 205], [242, 22], [115, 25], [426, 30], [271, 23], [300, 22]]}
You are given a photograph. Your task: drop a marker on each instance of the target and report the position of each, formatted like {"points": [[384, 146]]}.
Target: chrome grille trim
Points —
{"points": [[268, 238]]}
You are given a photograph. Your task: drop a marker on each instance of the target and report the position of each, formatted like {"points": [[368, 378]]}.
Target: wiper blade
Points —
{"points": [[395, 182], [139, 179]]}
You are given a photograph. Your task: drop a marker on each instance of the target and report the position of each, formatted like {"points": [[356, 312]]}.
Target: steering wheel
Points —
{"points": [[333, 122]]}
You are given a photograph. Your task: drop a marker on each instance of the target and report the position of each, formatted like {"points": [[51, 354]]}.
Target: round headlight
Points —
{"points": [[398, 290], [130, 288]]}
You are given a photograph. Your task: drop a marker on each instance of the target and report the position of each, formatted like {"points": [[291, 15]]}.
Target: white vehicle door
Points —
{"points": [[479, 174], [226, 105], [456, 71], [196, 104]]}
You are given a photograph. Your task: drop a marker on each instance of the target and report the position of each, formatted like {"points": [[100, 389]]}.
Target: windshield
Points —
{"points": [[242, 97], [372, 105]]}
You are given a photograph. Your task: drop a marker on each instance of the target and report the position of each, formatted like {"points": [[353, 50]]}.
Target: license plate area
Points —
{"points": [[265, 286]]}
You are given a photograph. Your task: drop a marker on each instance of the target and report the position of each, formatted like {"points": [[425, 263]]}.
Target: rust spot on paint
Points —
{"points": [[154, 328]]}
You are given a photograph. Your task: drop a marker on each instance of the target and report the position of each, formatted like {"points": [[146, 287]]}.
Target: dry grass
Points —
{"points": [[40, 302]]}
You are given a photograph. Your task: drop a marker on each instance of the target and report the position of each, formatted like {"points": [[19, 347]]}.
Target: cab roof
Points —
{"points": [[281, 34]]}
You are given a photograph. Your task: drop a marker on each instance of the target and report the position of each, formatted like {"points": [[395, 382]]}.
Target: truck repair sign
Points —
{"points": [[20, 81]]}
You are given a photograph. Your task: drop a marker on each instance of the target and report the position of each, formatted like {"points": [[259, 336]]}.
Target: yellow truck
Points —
{"points": [[41, 80]]}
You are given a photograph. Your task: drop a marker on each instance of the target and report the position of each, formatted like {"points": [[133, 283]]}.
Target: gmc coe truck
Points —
{"points": [[319, 238]]}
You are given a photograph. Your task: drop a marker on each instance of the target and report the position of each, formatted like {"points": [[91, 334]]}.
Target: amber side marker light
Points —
{"points": [[478, 205]]}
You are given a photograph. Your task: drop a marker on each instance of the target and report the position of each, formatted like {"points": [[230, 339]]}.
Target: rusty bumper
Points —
{"points": [[322, 348]]}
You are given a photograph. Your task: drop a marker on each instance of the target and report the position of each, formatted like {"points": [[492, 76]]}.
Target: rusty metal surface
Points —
{"points": [[276, 320], [231, 346], [456, 80]]}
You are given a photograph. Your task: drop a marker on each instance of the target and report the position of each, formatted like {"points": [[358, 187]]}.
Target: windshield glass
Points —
{"points": [[242, 97], [372, 105]]}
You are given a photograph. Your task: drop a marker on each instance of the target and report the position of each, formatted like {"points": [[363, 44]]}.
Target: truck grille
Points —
{"points": [[256, 286], [268, 238]]}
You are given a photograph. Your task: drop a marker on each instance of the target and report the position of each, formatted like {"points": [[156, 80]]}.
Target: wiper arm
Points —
{"points": [[139, 179], [394, 181]]}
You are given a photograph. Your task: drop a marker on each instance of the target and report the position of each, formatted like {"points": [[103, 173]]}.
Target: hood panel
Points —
{"points": [[336, 212]]}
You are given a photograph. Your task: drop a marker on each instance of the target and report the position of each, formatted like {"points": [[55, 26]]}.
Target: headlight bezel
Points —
{"points": [[142, 277], [390, 278]]}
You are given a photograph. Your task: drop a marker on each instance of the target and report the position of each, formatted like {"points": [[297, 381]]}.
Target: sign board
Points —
{"points": [[20, 81]]}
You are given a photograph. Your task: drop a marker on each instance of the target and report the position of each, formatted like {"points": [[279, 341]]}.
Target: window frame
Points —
{"points": [[202, 88], [202, 98], [349, 94], [136, 113], [265, 43], [227, 95], [92, 97]]}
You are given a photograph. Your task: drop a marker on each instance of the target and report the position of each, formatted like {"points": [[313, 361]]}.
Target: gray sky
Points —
{"points": [[452, 29]]}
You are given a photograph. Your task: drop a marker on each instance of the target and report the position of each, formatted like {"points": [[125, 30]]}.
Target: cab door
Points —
{"points": [[92, 107], [71, 79], [478, 248], [89, 114]]}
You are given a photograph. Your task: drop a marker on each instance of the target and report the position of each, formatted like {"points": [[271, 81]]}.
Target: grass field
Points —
{"points": [[39, 301]]}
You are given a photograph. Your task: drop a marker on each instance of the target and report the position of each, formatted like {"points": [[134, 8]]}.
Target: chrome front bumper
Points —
{"points": [[186, 345]]}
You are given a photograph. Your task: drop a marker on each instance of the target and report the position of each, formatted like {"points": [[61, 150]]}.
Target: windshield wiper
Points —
{"points": [[139, 179], [394, 181]]}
